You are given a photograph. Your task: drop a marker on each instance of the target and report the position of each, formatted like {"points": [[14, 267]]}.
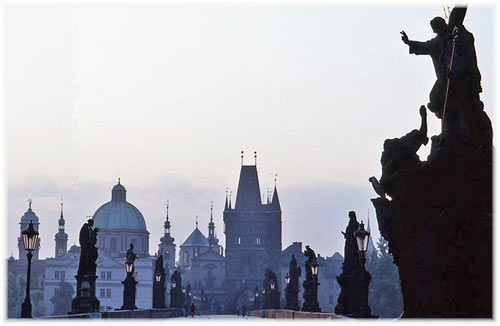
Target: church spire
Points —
{"points": [[211, 226], [61, 218], [166, 226], [61, 237]]}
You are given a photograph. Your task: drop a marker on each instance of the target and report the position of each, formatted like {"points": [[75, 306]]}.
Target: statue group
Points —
{"points": [[438, 216]]}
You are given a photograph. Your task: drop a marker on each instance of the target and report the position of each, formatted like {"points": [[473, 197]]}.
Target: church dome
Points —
{"points": [[118, 214], [29, 216]]}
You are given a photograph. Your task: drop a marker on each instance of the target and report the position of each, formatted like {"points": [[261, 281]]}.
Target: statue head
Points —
{"points": [[352, 215], [131, 246], [438, 25], [90, 222]]}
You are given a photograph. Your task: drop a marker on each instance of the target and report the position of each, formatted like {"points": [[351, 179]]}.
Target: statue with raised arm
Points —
{"points": [[435, 49]]}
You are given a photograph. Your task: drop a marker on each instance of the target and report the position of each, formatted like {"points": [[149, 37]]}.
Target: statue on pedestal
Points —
{"points": [[85, 300]]}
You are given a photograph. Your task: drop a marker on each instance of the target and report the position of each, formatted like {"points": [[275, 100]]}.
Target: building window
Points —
{"points": [[330, 299], [186, 257], [56, 275], [103, 293], [112, 245], [63, 275], [103, 275], [238, 240], [108, 293], [331, 284], [257, 241], [108, 275]]}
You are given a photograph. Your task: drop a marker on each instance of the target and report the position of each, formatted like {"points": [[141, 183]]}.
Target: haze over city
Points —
{"points": [[166, 98]]}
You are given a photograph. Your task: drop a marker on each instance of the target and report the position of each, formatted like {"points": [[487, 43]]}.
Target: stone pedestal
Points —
{"points": [[129, 288], [311, 303], [85, 300]]}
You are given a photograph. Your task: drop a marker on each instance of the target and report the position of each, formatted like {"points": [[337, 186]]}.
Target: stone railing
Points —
{"points": [[291, 314], [139, 313]]}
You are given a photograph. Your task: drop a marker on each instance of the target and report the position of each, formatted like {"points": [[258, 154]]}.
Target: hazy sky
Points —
{"points": [[167, 97]]}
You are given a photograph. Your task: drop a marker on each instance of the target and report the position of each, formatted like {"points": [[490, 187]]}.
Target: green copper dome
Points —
{"points": [[118, 214]]}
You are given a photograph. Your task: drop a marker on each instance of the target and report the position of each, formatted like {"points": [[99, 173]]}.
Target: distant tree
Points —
{"points": [[62, 298], [38, 307], [385, 291], [14, 297]]}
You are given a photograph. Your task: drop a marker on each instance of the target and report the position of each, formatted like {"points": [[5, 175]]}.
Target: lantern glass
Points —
{"points": [[183, 290], [272, 285], [314, 269], [174, 284], [287, 279], [158, 277], [362, 238], [30, 237], [129, 267]]}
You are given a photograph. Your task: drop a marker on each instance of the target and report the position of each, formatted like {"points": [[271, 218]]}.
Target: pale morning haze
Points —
{"points": [[166, 97]]}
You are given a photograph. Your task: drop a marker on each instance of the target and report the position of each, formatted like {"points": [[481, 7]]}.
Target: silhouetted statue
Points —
{"points": [[435, 49], [271, 291], [88, 254], [295, 273], [399, 154], [354, 280], [85, 300], [176, 295], [131, 256], [442, 206], [311, 257], [292, 288]]}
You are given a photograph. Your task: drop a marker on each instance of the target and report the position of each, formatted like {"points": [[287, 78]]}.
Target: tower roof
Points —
{"points": [[275, 203], [248, 195], [61, 218], [196, 239], [371, 247]]}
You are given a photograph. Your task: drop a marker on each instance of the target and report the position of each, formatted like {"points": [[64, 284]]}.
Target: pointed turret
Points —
{"points": [[211, 227], [167, 246], [61, 237], [225, 205], [275, 203], [371, 247]]}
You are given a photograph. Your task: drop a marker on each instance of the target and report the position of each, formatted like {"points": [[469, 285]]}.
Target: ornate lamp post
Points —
{"points": [[129, 284], [30, 237], [362, 238]]}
